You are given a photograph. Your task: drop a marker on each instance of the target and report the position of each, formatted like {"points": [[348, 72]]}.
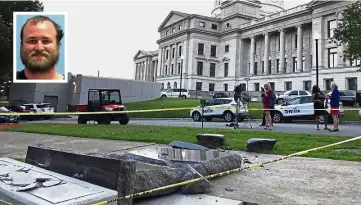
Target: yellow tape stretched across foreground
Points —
{"points": [[227, 172], [153, 110]]}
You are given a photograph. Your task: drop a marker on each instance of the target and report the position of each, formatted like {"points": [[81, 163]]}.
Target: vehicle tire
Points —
{"points": [[124, 120], [228, 116], [184, 97], [163, 96], [208, 119], [81, 120], [277, 117], [196, 116]]}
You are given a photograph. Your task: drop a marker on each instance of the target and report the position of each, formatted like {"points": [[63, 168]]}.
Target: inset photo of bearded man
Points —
{"points": [[40, 44]]}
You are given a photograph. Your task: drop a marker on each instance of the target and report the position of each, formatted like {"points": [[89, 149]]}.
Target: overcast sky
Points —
{"points": [[106, 35]]}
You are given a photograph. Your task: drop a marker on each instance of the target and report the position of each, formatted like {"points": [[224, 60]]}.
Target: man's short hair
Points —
{"points": [[40, 18]]}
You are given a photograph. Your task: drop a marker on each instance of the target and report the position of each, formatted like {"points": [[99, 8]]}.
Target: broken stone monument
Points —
{"points": [[24, 184], [260, 145], [155, 166]]}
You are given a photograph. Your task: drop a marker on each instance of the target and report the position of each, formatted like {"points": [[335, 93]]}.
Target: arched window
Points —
{"points": [[175, 85], [162, 86], [168, 85]]}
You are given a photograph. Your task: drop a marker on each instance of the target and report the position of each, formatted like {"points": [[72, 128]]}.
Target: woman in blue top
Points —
{"points": [[335, 106]]}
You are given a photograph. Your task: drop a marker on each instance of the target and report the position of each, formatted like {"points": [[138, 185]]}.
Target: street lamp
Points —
{"points": [[316, 37], [181, 71]]}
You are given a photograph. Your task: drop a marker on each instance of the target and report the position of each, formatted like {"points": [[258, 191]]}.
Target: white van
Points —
{"points": [[174, 93]]}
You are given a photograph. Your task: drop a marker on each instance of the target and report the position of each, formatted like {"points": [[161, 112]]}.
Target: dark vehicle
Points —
{"points": [[220, 95], [103, 100], [21, 109], [8, 118], [347, 98]]}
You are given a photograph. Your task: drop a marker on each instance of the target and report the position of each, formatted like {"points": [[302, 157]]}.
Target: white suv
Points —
{"points": [[40, 108], [291, 94], [219, 108], [174, 93]]}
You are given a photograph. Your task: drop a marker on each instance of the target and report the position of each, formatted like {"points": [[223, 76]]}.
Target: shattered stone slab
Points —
{"points": [[260, 145], [186, 145], [211, 140]]}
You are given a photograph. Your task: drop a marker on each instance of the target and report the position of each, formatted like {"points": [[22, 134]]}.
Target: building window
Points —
{"points": [[212, 70], [294, 64], [173, 30], [279, 43], [351, 83], [303, 62], [166, 33], [175, 85], [331, 25], [225, 69], [225, 86], [226, 48], [180, 27], [332, 57], [355, 62], [202, 24], [243, 86], [200, 49], [199, 68], [272, 85], [288, 85], [179, 70], [211, 86], [199, 86], [295, 41], [262, 63], [214, 27], [162, 86], [278, 65], [255, 68], [327, 84], [179, 51], [173, 53], [269, 67], [166, 69], [168, 85], [285, 64], [172, 72], [228, 25], [167, 55], [307, 85], [256, 87], [213, 51]]}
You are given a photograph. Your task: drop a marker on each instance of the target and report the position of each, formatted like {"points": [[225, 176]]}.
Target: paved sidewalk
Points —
{"points": [[293, 181]]}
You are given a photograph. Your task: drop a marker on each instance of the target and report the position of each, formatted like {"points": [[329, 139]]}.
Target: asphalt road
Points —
{"points": [[348, 129]]}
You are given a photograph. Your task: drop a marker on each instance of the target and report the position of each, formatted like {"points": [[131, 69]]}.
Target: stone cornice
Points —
{"points": [[243, 2]]}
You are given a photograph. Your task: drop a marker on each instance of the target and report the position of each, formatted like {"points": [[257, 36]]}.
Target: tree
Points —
{"points": [[348, 31], [6, 33]]}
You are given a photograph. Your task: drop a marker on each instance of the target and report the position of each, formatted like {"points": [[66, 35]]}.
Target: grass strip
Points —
{"points": [[235, 139]]}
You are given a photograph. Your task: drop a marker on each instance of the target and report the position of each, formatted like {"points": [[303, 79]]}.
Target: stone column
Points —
{"points": [[137, 71], [282, 51], [266, 52], [176, 59], [169, 60], [299, 49], [251, 61]]}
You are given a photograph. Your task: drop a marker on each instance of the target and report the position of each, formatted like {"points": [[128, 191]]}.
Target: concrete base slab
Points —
{"points": [[179, 199]]}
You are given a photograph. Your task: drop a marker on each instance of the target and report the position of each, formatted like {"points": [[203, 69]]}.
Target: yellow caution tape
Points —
{"points": [[227, 172], [5, 202], [151, 110]]}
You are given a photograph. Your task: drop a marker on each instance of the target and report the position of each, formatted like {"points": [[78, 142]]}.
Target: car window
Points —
{"points": [[294, 101], [218, 101], [226, 101], [307, 99], [348, 94], [294, 93], [184, 90], [302, 92], [209, 103]]}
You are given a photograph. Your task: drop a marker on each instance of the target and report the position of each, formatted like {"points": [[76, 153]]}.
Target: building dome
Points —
{"points": [[268, 6]]}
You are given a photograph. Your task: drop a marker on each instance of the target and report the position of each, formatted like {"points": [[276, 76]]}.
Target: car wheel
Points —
{"points": [[124, 120], [163, 96], [196, 116], [228, 116], [184, 97], [277, 117]]}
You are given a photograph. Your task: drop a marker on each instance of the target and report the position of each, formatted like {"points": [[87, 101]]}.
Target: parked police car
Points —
{"points": [[219, 108], [300, 107]]}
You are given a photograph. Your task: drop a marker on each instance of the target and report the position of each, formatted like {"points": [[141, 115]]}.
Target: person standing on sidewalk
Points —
{"points": [[272, 111], [335, 106], [319, 106]]}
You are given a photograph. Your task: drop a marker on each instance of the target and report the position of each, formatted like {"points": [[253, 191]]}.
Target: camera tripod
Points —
{"points": [[248, 118]]}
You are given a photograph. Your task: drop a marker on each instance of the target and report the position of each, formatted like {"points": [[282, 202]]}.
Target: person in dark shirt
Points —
{"points": [[319, 105], [267, 98], [40, 49], [272, 111]]}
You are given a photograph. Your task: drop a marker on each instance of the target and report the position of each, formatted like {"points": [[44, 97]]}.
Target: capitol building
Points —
{"points": [[250, 43]]}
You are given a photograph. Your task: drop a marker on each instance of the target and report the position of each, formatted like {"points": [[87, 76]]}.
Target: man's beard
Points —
{"points": [[33, 65]]}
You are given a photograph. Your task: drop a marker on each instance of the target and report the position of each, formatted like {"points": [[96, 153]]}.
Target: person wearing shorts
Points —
{"points": [[335, 106]]}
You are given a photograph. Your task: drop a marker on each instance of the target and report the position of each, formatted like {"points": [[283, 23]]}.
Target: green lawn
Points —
{"points": [[350, 115], [235, 139]]}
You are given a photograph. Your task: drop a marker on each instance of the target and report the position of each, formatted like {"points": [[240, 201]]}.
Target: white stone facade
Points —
{"points": [[215, 54]]}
